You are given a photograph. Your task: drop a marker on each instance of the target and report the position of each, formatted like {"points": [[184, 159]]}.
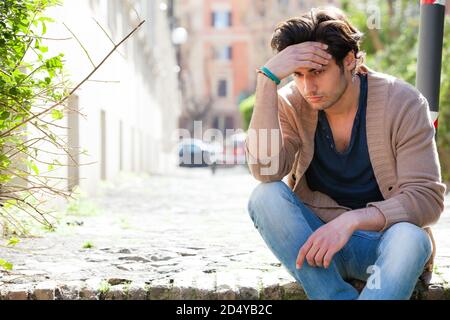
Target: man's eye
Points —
{"points": [[317, 72], [298, 74]]}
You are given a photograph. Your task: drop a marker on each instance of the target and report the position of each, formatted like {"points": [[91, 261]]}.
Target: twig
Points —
{"points": [[43, 38], [77, 86], [108, 36], [29, 42], [104, 31], [105, 81], [81, 45]]}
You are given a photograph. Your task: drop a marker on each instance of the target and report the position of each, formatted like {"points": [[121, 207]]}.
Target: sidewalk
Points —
{"points": [[183, 236]]}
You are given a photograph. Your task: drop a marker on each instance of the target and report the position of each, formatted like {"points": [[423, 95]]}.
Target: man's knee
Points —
{"points": [[410, 240], [265, 192], [265, 196]]}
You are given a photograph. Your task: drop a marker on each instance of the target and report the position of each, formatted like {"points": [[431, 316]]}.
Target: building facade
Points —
{"points": [[227, 41], [124, 117], [214, 61]]}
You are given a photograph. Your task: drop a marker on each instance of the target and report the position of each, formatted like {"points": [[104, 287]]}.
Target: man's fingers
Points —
{"points": [[319, 257], [301, 257], [308, 64], [308, 44], [314, 51], [310, 57], [318, 50], [314, 58], [311, 254], [302, 253], [328, 257]]}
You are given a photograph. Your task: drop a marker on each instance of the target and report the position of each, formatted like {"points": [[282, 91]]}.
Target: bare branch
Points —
{"points": [[77, 86], [81, 45]]}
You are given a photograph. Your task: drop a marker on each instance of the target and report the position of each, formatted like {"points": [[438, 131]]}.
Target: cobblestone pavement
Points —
{"points": [[182, 236]]}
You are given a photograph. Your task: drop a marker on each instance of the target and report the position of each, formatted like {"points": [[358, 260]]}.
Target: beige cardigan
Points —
{"points": [[402, 150]]}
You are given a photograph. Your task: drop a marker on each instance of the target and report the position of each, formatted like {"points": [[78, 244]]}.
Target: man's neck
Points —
{"points": [[347, 105]]}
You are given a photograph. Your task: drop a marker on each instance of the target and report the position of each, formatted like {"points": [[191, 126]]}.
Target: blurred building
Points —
{"points": [[125, 115], [227, 41], [214, 61], [263, 17]]}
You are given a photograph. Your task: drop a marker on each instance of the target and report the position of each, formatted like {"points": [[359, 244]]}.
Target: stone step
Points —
{"points": [[130, 291]]}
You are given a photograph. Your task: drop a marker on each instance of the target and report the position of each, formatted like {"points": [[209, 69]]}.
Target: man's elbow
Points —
{"points": [[263, 173], [434, 209]]}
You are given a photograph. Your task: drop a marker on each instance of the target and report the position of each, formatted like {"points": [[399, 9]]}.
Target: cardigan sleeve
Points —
{"points": [[419, 196], [277, 166]]}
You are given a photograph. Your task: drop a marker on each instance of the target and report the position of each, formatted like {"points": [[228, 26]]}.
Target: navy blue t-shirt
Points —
{"points": [[346, 177]]}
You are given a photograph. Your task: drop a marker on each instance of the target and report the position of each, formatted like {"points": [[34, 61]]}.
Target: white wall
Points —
{"points": [[142, 88]]}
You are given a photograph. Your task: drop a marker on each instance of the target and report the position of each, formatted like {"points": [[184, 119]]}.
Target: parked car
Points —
{"points": [[194, 153], [233, 152]]}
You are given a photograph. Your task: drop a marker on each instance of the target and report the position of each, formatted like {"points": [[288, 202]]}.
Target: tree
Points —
{"points": [[393, 49], [33, 95], [29, 82], [246, 110]]}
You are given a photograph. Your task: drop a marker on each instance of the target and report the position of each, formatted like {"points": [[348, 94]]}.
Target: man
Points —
{"points": [[358, 150]]}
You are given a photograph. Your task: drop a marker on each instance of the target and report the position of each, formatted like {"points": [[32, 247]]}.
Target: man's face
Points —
{"points": [[321, 88]]}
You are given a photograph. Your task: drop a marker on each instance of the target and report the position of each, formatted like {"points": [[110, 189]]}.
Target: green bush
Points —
{"points": [[30, 81], [393, 49], [246, 109]]}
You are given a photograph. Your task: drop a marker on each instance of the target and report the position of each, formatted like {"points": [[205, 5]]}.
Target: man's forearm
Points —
{"points": [[265, 116], [369, 219]]}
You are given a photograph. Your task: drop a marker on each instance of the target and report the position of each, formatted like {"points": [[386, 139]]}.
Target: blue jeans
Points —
{"points": [[390, 262]]}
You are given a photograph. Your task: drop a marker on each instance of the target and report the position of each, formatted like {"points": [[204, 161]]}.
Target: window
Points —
{"points": [[216, 122], [229, 122], [223, 52], [222, 88], [221, 19], [112, 16], [260, 8], [73, 141], [120, 145], [283, 4], [103, 145]]}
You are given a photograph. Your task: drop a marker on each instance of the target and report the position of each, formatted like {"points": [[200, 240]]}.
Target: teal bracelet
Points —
{"points": [[268, 73]]}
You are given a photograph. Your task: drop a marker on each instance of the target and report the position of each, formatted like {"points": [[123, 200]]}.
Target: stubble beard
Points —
{"points": [[336, 96]]}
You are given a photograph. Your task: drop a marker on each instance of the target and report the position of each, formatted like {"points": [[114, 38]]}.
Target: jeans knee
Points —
{"points": [[411, 240], [265, 194], [265, 191]]}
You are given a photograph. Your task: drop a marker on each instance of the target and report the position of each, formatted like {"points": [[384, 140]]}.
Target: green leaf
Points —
{"points": [[13, 241], [13, 91], [5, 265], [43, 49], [57, 114], [32, 166], [88, 245], [54, 62], [5, 115], [44, 28], [48, 19]]}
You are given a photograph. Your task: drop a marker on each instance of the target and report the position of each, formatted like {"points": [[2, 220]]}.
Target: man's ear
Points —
{"points": [[350, 61]]}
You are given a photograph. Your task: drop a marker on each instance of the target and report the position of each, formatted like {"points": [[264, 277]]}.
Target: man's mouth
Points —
{"points": [[314, 99]]}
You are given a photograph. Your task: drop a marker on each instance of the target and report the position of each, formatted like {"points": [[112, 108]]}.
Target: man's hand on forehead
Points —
{"points": [[306, 55]]}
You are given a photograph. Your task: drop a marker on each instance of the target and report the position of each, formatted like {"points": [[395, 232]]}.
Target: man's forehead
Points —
{"points": [[308, 70], [331, 64]]}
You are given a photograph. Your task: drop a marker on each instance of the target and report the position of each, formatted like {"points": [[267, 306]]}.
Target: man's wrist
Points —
{"points": [[369, 218], [269, 74], [261, 77], [352, 219]]}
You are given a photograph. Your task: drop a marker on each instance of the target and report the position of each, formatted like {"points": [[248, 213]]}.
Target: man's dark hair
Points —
{"points": [[326, 25]]}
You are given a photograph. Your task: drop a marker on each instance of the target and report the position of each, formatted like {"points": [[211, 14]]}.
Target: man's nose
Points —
{"points": [[309, 85]]}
